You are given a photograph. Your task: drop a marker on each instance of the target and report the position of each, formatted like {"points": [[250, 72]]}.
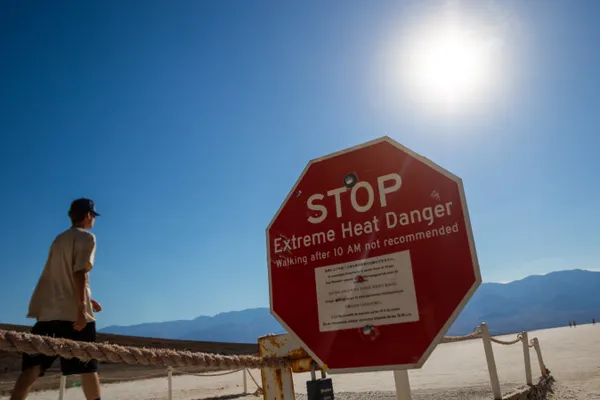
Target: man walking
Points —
{"points": [[61, 303]]}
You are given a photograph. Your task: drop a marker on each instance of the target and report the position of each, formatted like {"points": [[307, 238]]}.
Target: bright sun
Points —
{"points": [[449, 67]]}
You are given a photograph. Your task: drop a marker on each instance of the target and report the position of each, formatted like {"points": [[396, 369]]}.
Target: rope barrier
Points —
{"points": [[508, 342], [259, 390], [158, 374], [450, 339], [208, 375], [35, 344], [476, 334], [252, 377]]}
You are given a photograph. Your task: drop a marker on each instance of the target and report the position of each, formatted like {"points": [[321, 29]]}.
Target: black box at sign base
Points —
{"points": [[320, 389]]}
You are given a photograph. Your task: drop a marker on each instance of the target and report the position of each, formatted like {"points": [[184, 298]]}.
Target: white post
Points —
{"points": [[170, 380], [61, 390], [491, 362], [402, 384], [527, 358], [536, 345], [245, 381]]}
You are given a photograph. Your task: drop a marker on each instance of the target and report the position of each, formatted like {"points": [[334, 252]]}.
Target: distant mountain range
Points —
{"points": [[536, 302], [235, 327]]}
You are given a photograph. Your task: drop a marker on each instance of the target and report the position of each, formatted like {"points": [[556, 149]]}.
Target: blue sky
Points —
{"points": [[189, 122]]}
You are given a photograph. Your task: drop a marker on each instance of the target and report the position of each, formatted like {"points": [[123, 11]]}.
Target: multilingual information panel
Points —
{"points": [[374, 291]]}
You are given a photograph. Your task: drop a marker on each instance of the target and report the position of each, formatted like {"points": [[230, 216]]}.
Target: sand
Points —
{"points": [[454, 371]]}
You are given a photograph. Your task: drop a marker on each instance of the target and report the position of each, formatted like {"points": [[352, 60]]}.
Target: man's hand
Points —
{"points": [[81, 320], [96, 306]]}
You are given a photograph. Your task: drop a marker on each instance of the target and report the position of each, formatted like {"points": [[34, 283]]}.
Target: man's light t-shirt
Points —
{"points": [[55, 296]]}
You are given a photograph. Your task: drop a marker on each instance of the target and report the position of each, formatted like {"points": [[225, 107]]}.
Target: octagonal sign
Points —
{"points": [[371, 258]]}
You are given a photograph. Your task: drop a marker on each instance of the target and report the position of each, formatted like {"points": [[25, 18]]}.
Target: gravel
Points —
{"points": [[458, 394], [562, 392]]}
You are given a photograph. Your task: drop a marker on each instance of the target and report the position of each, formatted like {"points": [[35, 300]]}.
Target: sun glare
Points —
{"points": [[449, 67]]}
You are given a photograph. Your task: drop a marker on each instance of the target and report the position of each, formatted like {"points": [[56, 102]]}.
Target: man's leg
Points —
{"points": [[33, 365], [25, 382], [90, 383], [88, 370]]}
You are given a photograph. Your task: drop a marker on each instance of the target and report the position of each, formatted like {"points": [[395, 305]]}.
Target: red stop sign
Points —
{"points": [[371, 258]]}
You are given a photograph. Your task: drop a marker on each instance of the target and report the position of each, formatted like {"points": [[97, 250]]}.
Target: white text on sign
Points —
{"points": [[383, 189], [387, 184], [349, 229]]}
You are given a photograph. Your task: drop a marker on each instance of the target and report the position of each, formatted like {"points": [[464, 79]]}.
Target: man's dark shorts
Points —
{"points": [[62, 329]]}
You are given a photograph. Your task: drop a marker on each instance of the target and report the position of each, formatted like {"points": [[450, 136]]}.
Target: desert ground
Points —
{"points": [[454, 371]]}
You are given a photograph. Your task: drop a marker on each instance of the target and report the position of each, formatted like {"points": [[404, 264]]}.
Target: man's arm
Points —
{"points": [[80, 289], [83, 263]]}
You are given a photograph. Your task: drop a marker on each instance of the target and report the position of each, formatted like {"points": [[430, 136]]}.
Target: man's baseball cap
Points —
{"points": [[83, 205]]}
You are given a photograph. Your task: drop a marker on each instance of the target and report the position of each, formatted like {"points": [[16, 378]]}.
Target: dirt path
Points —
{"points": [[454, 371]]}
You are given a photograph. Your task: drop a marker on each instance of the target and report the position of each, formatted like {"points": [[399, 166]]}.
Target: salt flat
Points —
{"points": [[455, 370]]}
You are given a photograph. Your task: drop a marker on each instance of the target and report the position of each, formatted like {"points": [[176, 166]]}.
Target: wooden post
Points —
{"points": [[170, 382], [402, 384], [526, 358], [536, 346], [245, 381], [491, 362]]}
